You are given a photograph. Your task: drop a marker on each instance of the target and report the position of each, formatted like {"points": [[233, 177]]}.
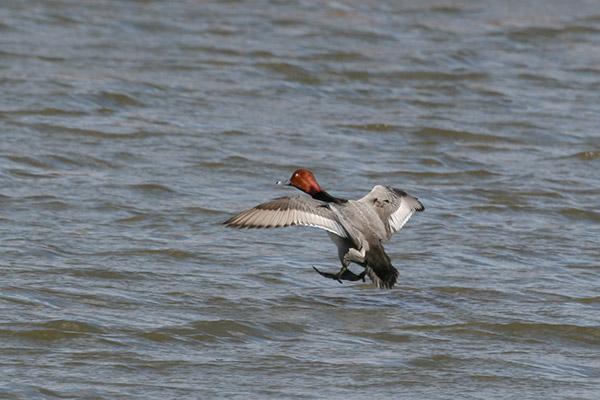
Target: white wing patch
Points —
{"points": [[394, 207], [399, 218], [288, 211]]}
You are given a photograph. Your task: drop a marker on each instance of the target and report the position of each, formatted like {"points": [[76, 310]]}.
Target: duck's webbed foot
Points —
{"points": [[344, 274]]}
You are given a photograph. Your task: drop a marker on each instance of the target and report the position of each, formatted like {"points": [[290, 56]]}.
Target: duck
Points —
{"points": [[357, 227]]}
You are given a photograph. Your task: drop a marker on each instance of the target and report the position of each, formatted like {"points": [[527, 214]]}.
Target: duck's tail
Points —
{"points": [[380, 268]]}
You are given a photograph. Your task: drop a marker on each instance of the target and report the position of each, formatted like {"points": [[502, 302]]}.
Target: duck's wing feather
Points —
{"points": [[393, 206], [288, 211]]}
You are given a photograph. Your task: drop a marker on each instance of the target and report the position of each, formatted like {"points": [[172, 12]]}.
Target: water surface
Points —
{"points": [[132, 130]]}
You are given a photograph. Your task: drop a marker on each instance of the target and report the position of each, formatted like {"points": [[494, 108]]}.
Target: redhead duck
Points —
{"points": [[357, 227]]}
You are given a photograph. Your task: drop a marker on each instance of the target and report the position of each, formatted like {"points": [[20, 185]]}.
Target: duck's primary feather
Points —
{"points": [[288, 211]]}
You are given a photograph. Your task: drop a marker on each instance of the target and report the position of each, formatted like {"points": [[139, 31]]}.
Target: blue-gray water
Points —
{"points": [[129, 131]]}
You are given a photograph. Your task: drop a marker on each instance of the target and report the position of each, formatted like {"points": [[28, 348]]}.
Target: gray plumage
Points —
{"points": [[357, 227]]}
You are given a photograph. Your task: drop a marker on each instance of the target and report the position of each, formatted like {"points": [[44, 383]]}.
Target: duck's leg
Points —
{"points": [[352, 255], [344, 274], [346, 251]]}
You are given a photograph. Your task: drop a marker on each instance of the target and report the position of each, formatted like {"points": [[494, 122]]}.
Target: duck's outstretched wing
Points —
{"points": [[288, 211], [393, 206]]}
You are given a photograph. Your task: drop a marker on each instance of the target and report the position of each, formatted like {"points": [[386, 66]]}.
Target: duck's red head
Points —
{"points": [[305, 181]]}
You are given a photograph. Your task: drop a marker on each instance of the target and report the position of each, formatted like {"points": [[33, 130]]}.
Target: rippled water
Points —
{"points": [[131, 130]]}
